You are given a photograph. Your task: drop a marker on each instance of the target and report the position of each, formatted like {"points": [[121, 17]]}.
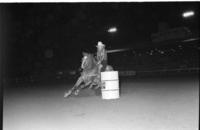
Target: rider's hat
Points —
{"points": [[100, 44]]}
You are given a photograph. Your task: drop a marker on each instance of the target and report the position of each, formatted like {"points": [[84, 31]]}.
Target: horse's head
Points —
{"points": [[88, 61]]}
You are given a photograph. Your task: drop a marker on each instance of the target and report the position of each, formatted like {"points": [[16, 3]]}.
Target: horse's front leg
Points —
{"points": [[82, 87], [79, 81], [76, 92]]}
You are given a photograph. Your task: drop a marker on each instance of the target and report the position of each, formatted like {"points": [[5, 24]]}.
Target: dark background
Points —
{"points": [[44, 42], [44, 38]]}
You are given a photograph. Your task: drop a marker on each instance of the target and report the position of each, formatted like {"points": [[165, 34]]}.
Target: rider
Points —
{"points": [[101, 55]]}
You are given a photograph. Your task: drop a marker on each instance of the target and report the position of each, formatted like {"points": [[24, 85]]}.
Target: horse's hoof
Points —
{"points": [[67, 94], [76, 92]]}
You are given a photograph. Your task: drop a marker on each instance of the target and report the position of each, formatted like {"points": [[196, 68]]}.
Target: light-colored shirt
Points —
{"points": [[101, 55]]}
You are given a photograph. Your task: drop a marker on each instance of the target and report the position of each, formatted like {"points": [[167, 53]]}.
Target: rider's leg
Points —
{"points": [[104, 64]]}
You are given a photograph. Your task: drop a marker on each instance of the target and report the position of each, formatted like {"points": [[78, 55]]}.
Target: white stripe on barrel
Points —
{"points": [[110, 85]]}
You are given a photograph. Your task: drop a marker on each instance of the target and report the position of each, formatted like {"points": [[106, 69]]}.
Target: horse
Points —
{"points": [[90, 74]]}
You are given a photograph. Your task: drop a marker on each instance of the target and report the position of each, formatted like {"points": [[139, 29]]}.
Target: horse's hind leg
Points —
{"points": [[78, 82], [92, 85]]}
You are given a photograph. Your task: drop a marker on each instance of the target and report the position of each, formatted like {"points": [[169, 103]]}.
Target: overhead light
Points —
{"points": [[112, 30], [188, 14]]}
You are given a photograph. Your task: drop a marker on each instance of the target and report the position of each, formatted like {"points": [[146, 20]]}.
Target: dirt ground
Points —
{"points": [[143, 105]]}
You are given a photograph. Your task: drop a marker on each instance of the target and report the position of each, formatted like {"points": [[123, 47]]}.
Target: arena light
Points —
{"points": [[117, 50], [188, 14], [112, 30]]}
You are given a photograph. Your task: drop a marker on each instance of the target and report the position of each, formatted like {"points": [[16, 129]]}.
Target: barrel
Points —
{"points": [[110, 85]]}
